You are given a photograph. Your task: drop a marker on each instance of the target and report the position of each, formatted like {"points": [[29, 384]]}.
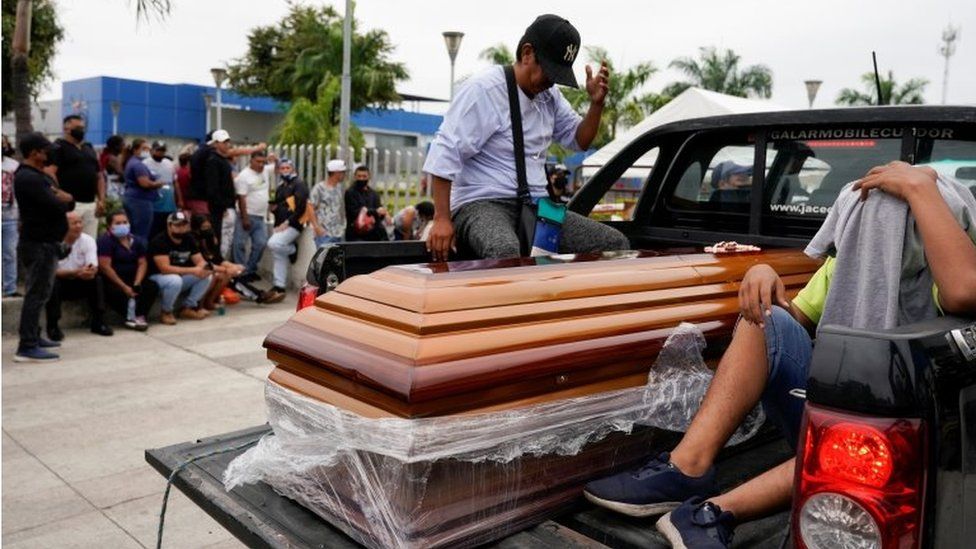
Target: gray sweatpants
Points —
{"points": [[487, 229]]}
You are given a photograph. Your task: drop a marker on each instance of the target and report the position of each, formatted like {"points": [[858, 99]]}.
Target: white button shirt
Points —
{"points": [[474, 150]]}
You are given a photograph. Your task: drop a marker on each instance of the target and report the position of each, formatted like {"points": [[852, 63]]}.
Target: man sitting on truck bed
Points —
{"points": [[769, 355], [472, 157]]}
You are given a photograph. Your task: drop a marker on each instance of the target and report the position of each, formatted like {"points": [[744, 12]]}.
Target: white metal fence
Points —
{"points": [[396, 174]]}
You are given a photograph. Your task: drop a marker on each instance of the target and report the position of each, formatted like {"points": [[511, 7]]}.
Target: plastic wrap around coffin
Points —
{"points": [[467, 479], [430, 340]]}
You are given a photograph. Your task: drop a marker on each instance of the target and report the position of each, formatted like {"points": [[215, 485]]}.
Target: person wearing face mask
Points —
{"points": [[178, 267], [74, 165], [291, 213], [365, 214], [42, 207], [472, 159], [123, 262], [169, 194], [141, 188]]}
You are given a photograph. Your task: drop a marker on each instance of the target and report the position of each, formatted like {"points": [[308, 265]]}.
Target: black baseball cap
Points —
{"points": [[177, 218], [33, 141], [556, 43]]}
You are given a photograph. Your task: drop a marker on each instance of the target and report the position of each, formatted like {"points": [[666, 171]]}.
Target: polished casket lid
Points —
{"points": [[440, 338]]}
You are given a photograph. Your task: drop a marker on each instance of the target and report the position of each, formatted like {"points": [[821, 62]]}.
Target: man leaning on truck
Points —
{"points": [[472, 157]]}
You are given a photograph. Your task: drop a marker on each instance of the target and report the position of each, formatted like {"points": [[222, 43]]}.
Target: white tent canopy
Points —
{"points": [[692, 103]]}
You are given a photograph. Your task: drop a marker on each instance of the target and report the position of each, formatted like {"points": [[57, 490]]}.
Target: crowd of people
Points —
{"points": [[188, 230]]}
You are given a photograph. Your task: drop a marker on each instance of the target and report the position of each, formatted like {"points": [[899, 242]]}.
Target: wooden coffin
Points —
{"points": [[451, 339]]}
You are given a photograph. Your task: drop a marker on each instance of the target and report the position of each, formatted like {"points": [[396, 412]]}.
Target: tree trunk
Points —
{"points": [[19, 76]]}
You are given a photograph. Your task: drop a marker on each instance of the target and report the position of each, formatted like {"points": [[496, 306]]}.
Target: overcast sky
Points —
{"points": [[830, 40]]}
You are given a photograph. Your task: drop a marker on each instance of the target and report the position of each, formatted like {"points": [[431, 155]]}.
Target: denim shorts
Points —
{"points": [[789, 350]]}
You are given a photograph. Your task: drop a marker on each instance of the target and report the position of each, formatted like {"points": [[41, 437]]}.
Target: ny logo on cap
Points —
{"points": [[571, 52]]}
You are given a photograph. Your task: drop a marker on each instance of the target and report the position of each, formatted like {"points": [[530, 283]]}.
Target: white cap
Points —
{"points": [[219, 136], [335, 166]]}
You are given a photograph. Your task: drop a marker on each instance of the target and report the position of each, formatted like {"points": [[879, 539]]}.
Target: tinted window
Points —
{"points": [[955, 158], [804, 177], [716, 178]]}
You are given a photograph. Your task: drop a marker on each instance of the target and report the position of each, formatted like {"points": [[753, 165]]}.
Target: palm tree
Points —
{"points": [[623, 107], [20, 52], [499, 54], [721, 73], [909, 93], [19, 79]]}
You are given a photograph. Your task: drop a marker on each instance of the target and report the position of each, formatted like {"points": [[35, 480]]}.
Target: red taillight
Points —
{"points": [[860, 481], [306, 296], [857, 453]]}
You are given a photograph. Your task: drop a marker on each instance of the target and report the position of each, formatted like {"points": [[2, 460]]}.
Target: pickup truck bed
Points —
{"points": [[259, 517]]}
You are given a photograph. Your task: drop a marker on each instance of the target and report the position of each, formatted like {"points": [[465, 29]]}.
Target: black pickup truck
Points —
{"points": [[888, 456]]}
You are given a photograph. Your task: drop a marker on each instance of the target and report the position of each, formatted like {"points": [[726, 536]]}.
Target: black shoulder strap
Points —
{"points": [[518, 138]]}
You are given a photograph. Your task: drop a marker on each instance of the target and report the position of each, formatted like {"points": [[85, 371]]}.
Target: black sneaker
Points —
{"points": [[698, 524], [35, 354], [46, 344], [101, 329], [655, 488], [55, 333]]}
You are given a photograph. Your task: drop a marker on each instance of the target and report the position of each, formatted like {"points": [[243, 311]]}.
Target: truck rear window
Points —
{"points": [[803, 177]]}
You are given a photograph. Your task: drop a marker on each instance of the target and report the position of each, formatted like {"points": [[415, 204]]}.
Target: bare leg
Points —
{"points": [[761, 496], [738, 383], [220, 281]]}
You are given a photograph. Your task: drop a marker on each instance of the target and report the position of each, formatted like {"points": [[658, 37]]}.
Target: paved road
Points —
{"points": [[74, 431]]}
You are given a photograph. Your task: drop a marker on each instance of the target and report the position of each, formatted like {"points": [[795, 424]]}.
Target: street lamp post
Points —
{"points": [[813, 86], [116, 107], [453, 41], [219, 75]]}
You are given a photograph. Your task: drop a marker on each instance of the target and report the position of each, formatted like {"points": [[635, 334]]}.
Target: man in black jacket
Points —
{"points": [[291, 212], [212, 179], [361, 197], [43, 226]]}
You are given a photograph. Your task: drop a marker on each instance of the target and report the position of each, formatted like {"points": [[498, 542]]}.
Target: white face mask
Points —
{"points": [[144, 154]]}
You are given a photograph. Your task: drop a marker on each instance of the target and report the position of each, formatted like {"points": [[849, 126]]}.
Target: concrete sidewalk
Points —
{"points": [[74, 431]]}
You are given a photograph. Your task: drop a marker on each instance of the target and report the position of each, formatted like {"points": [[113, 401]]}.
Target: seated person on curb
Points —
{"points": [[472, 157], [731, 183], [223, 270], [122, 260], [177, 266], [77, 277], [769, 355]]}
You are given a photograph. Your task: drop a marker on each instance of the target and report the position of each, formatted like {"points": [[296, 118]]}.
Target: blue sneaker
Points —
{"points": [[699, 524], [35, 354], [655, 488], [47, 343]]}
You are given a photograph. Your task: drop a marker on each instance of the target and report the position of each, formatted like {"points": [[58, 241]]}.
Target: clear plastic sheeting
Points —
{"points": [[464, 480], [677, 384]]}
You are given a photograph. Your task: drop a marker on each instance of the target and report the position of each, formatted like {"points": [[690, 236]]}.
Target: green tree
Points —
{"points": [[38, 51], [309, 122], [909, 93], [499, 54], [624, 105], [295, 57], [721, 73]]}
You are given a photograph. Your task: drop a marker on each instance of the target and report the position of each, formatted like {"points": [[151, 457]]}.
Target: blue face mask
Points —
{"points": [[120, 231]]}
